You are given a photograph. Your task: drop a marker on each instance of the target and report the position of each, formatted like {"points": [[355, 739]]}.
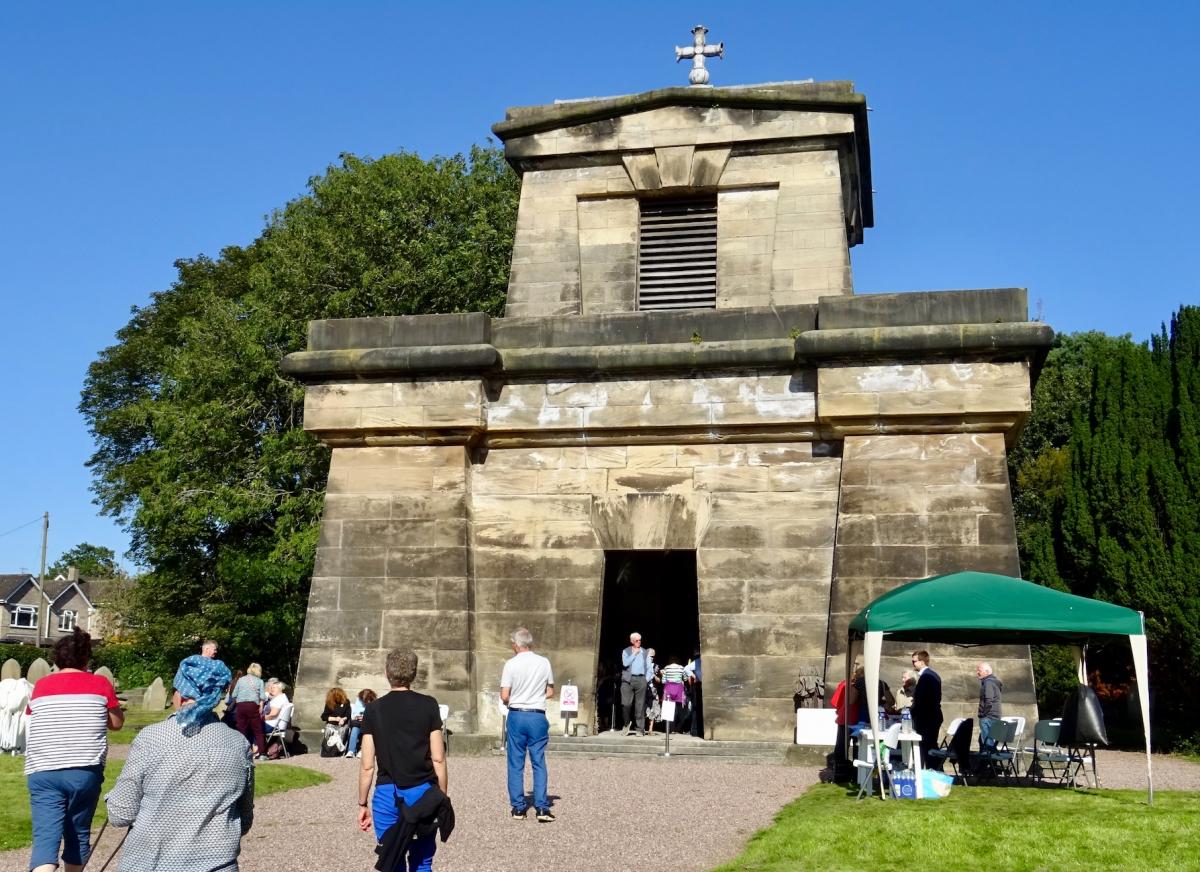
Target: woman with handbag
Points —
{"points": [[336, 716]]}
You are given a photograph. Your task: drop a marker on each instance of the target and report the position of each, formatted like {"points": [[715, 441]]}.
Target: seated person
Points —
{"points": [[336, 716], [273, 708], [357, 707]]}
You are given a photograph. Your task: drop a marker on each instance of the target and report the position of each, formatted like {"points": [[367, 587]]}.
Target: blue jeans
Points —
{"points": [[528, 732], [384, 813], [352, 748], [62, 803]]}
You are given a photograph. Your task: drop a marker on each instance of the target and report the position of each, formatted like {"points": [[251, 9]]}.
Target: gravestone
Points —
{"points": [[155, 698], [38, 670], [10, 669], [683, 365], [107, 673]]}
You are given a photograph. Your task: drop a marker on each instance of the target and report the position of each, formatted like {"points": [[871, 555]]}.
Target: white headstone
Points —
{"points": [[155, 699], [10, 669], [107, 673], [38, 670]]}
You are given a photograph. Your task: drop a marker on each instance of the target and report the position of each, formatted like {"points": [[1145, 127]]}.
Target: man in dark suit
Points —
{"points": [[926, 704]]}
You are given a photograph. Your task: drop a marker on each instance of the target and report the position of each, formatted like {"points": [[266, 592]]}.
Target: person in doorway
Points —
{"points": [[927, 704], [187, 789], [209, 649], [696, 687], [526, 682], [402, 738], [636, 672], [66, 745], [653, 699], [990, 711], [673, 680]]}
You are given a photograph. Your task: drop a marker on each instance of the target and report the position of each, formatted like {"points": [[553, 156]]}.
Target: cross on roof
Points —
{"points": [[698, 51]]}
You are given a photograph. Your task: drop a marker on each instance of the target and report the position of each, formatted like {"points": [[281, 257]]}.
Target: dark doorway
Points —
{"points": [[654, 593]]}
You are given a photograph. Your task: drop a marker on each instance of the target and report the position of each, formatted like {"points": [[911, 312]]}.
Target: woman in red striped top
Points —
{"points": [[69, 713]]}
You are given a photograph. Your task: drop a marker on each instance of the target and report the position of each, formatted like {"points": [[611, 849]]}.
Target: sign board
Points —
{"points": [[568, 700], [668, 710], [816, 727]]}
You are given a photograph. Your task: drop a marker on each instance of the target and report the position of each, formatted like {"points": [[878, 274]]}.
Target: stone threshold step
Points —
{"points": [[658, 748]]}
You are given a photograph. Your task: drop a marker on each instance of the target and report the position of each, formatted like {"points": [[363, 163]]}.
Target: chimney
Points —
{"points": [[72, 573]]}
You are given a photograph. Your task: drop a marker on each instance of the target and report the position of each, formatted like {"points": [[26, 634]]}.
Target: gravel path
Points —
{"points": [[606, 810]]}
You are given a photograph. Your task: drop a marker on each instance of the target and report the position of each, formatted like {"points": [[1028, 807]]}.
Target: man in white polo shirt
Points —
{"points": [[525, 685]]}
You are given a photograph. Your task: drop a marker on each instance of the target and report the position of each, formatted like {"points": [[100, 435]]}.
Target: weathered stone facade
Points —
{"points": [[811, 447]]}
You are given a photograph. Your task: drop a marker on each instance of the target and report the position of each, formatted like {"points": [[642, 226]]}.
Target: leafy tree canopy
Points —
{"points": [[92, 561], [1106, 475], [200, 450]]}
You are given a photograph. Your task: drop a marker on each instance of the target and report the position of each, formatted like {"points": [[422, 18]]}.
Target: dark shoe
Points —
{"points": [[517, 815], [544, 816]]}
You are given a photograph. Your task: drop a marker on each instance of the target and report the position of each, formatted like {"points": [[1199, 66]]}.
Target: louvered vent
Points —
{"points": [[677, 254]]}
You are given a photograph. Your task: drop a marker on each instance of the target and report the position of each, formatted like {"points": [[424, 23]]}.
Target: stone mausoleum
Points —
{"points": [[686, 424]]}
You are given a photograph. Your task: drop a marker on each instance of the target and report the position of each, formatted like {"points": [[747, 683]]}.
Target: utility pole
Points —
{"points": [[42, 577]]}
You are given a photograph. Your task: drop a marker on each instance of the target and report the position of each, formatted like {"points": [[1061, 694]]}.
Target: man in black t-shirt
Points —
{"points": [[403, 730]]}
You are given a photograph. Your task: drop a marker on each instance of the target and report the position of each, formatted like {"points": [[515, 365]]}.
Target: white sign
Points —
{"points": [[568, 701], [668, 710]]}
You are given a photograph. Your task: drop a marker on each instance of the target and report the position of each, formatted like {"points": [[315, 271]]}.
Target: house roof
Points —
{"points": [[10, 585], [53, 589]]}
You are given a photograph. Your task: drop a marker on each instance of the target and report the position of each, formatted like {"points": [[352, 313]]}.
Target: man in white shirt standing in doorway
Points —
{"points": [[525, 684]]}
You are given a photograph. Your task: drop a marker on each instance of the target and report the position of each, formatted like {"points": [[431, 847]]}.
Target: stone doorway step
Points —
{"points": [[682, 748]]}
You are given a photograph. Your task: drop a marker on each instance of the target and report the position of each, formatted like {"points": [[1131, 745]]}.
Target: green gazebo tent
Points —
{"points": [[979, 608]]}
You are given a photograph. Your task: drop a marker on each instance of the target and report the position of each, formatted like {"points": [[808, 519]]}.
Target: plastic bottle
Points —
{"points": [[906, 720]]}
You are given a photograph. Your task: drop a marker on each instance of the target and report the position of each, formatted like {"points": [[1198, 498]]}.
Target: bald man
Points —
{"points": [[635, 676]]}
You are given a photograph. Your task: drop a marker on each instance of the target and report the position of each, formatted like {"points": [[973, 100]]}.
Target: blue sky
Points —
{"points": [[1013, 144]]}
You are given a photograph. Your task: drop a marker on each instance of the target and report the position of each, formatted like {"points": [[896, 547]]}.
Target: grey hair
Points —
{"points": [[522, 638], [634, 635], [985, 668], [277, 683]]}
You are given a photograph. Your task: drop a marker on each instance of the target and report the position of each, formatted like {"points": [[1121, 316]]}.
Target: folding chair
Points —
{"points": [[957, 748], [282, 724], [1016, 743], [884, 746], [997, 757], [1046, 753]]}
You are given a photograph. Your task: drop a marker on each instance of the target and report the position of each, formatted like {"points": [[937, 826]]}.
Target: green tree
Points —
{"points": [[92, 561], [200, 449], [1105, 476]]}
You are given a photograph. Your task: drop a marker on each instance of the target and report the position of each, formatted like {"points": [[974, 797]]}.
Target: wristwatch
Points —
{"points": [[362, 805]]}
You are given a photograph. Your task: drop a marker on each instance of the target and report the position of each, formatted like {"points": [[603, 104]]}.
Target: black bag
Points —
{"points": [[333, 740], [1082, 720]]}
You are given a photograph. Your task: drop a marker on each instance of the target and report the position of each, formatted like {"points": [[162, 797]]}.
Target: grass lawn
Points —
{"points": [[135, 719], [980, 828], [14, 799]]}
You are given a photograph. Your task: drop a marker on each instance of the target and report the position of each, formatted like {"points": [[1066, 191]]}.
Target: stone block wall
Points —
{"points": [[781, 217], [918, 506], [391, 571], [760, 516]]}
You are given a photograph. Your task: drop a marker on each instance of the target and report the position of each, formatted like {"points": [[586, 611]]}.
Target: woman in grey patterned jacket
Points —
{"points": [[187, 788]]}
